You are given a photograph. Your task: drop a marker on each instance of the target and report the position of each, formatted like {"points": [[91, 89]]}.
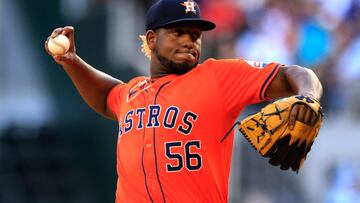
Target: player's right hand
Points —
{"points": [[70, 55]]}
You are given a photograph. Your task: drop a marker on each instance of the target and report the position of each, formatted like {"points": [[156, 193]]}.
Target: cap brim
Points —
{"points": [[204, 25]]}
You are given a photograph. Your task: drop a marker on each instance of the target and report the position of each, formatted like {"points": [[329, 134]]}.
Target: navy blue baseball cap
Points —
{"points": [[167, 12]]}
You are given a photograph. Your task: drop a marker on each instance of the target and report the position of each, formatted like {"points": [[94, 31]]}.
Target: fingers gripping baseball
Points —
{"points": [[66, 51]]}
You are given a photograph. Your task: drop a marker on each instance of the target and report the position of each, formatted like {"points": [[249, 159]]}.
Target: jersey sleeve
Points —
{"points": [[114, 99], [242, 82]]}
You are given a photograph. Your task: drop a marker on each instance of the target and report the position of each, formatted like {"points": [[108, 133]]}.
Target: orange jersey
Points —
{"points": [[170, 146]]}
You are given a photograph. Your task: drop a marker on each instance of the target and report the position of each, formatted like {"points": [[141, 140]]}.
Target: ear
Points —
{"points": [[151, 39]]}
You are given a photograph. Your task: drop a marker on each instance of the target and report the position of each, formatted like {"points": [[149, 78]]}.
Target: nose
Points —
{"points": [[188, 41]]}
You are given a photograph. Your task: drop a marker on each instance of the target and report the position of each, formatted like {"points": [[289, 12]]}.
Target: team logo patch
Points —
{"points": [[190, 6], [136, 90], [256, 64]]}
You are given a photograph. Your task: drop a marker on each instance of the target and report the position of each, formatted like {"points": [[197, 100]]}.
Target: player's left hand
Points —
{"points": [[301, 112], [269, 131]]}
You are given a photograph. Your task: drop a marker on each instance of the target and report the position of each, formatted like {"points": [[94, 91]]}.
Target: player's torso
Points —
{"points": [[169, 145]]}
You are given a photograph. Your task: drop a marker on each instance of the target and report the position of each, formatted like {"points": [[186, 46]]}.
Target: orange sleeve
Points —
{"points": [[242, 82], [114, 99]]}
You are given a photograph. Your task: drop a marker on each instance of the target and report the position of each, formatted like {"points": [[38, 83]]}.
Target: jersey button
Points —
{"points": [[151, 175], [152, 89], [148, 145], [151, 99]]}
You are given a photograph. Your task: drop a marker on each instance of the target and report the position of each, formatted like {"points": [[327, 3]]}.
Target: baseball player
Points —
{"points": [[172, 141]]}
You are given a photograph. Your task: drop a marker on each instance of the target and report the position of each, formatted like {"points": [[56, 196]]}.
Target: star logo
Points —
{"points": [[190, 6], [136, 90]]}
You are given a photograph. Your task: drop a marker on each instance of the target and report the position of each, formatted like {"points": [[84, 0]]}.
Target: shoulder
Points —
{"points": [[224, 63], [212, 61], [236, 64], [137, 79], [133, 82]]}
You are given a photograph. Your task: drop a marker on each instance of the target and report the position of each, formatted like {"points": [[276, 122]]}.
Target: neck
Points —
{"points": [[157, 70]]}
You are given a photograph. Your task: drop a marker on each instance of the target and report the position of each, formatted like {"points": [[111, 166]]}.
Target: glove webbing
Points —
{"points": [[263, 126]]}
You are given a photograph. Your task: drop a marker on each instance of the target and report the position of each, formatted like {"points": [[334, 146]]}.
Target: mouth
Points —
{"points": [[188, 54], [193, 53]]}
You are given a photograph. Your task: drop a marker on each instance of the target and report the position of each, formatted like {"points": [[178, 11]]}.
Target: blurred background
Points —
{"points": [[55, 149]]}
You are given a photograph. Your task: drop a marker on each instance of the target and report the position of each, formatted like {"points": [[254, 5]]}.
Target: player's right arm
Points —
{"points": [[92, 84]]}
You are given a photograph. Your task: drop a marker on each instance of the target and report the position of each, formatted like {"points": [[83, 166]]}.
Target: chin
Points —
{"points": [[182, 68], [176, 67]]}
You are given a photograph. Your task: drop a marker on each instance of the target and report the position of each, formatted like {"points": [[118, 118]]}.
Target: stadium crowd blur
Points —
{"points": [[36, 97], [323, 35], [318, 34]]}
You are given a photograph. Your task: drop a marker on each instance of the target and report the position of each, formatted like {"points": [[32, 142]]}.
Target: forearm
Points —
{"points": [[92, 84], [294, 80], [303, 81]]}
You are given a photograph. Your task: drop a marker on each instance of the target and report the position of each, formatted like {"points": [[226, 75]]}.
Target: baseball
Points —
{"points": [[59, 45]]}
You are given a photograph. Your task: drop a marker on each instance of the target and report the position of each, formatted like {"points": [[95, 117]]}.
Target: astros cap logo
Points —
{"points": [[166, 12], [190, 6]]}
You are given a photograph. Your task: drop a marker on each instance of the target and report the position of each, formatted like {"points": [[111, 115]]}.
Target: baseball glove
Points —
{"points": [[268, 132]]}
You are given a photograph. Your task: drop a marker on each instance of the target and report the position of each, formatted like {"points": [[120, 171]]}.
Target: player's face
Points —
{"points": [[178, 47]]}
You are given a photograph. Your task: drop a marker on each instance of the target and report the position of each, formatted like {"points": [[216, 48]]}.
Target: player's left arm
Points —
{"points": [[296, 80]]}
